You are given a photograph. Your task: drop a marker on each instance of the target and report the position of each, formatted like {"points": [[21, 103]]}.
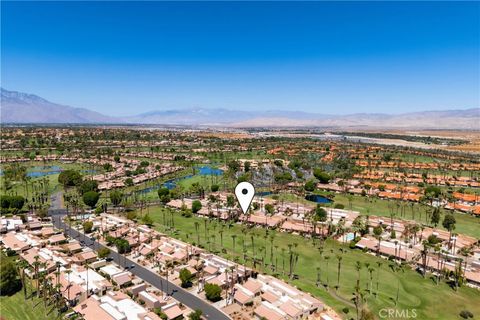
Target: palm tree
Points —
{"points": [[370, 271], [379, 264], [167, 268], [234, 236], [197, 228], [327, 259], [21, 266], [68, 271], [396, 268], [87, 266], [36, 266], [339, 265]]}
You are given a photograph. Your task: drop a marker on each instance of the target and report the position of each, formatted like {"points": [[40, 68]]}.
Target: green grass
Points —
{"points": [[415, 292], [466, 223], [203, 180], [15, 307]]}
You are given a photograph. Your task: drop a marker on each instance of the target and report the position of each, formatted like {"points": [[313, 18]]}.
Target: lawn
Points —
{"points": [[466, 224], [15, 307], [414, 291]]}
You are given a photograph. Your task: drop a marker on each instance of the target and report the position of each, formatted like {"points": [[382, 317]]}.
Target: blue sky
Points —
{"points": [[125, 58]]}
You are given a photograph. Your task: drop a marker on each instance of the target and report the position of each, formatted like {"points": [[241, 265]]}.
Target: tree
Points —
{"points": [[233, 165], [434, 191], [377, 232], [9, 284], [88, 185], [322, 176], [116, 197], [108, 167], [320, 213], [103, 252], [90, 198], [164, 195], [269, 208], [87, 226], [195, 315], [186, 277], [435, 216], [122, 245], [449, 222], [70, 178], [196, 206], [310, 185], [5, 201], [213, 292]]}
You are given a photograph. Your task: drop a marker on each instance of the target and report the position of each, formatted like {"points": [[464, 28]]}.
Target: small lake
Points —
{"points": [[209, 171], [42, 171], [172, 183], [317, 198]]}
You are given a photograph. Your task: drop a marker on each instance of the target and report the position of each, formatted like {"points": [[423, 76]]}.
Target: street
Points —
{"points": [[154, 279]]}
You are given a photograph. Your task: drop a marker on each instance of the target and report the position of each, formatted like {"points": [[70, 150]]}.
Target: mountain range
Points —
{"points": [[18, 107]]}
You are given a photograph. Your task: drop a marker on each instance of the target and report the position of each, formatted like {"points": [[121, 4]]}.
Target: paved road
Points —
{"points": [[154, 279]]}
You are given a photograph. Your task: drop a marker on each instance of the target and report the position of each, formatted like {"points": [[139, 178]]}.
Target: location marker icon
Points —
{"points": [[244, 192]]}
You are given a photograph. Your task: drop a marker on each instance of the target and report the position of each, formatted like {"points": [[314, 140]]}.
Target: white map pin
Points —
{"points": [[244, 192]]}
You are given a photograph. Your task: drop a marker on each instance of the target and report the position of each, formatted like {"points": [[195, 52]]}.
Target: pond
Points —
{"points": [[263, 193], [41, 171], [209, 171], [172, 183], [317, 198]]}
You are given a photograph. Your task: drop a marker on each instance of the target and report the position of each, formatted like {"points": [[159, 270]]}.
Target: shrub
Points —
{"points": [[146, 219], [310, 185], [339, 206], [465, 314], [195, 315], [322, 176], [196, 206], [87, 226], [132, 215], [215, 187], [103, 253], [17, 202], [129, 182]]}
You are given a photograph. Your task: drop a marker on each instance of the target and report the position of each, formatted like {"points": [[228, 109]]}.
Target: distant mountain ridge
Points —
{"points": [[18, 107]]}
